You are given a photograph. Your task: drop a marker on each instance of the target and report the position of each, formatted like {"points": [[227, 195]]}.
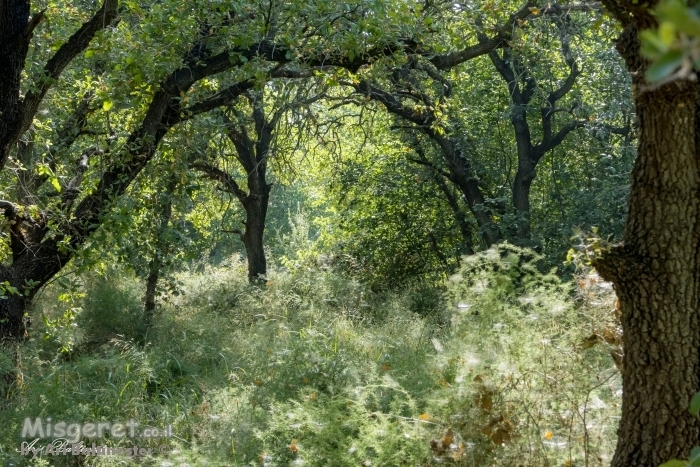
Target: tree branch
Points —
{"points": [[76, 44], [227, 182], [506, 72], [432, 166], [485, 46], [557, 139], [72, 190]]}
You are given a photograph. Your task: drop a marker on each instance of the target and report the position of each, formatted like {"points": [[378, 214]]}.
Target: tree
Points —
{"points": [[253, 139], [522, 86], [656, 269], [164, 210], [418, 92], [149, 97], [389, 225]]}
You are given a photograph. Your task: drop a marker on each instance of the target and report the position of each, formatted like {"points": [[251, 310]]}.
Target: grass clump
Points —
{"points": [[522, 386]]}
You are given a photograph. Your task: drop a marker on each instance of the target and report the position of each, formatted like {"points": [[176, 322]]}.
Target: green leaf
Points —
{"points": [[56, 184], [695, 457], [667, 32], [107, 104], [652, 45], [685, 19], [43, 169], [674, 463], [664, 66], [695, 453], [695, 404]]}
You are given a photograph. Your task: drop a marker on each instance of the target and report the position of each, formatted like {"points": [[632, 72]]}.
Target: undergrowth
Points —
{"points": [[508, 366]]}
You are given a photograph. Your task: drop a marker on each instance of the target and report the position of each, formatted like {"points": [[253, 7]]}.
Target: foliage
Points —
{"points": [[374, 340], [386, 217], [674, 46], [523, 375]]}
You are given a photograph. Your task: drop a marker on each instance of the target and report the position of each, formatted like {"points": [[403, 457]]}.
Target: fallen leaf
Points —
{"points": [[447, 439]]}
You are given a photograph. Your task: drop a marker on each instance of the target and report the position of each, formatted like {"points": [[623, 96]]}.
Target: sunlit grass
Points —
{"points": [[314, 369]]}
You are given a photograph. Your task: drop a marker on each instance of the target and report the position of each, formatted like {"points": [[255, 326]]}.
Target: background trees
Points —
{"points": [[415, 133], [151, 97]]}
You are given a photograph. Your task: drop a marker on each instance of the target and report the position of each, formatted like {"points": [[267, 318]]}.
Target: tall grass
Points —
{"points": [[314, 369]]}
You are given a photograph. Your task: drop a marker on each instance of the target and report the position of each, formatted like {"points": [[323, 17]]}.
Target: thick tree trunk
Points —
{"points": [[31, 269], [656, 272], [521, 197], [256, 212]]}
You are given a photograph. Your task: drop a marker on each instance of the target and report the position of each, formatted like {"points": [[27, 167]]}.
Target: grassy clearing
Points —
{"points": [[505, 366]]}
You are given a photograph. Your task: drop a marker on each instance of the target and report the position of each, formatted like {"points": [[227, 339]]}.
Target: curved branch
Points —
{"points": [[76, 44], [227, 182], [485, 45]]}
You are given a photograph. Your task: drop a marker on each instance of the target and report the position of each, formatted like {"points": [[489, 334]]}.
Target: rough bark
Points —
{"points": [[656, 270], [253, 237]]}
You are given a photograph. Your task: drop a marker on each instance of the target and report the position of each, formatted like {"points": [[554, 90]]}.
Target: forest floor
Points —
{"points": [[500, 366]]}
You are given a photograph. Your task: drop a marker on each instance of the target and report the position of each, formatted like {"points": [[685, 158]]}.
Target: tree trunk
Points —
{"points": [[151, 286], [464, 227], [521, 197], [161, 247], [526, 173], [31, 268], [14, 17], [13, 325], [256, 212], [156, 263], [461, 174], [656, 273]]}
